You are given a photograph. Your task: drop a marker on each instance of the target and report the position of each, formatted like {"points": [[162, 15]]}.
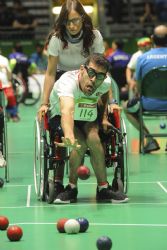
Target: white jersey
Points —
{"points": [[4, 64], [71, 58], [85, 106], [133, 61]]}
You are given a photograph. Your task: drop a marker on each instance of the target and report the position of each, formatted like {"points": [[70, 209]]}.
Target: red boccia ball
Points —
{"points": [[83, 172], [60, 225], [14, 233], [4, 223]]}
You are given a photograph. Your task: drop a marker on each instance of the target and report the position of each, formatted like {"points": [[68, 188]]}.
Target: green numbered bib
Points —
{"points": [[85, 109]]}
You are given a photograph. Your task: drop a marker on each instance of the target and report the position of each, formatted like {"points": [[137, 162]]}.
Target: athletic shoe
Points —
{"points": [[107, 195], [59, 188], [68, 196], [2, 161], [151, 146]]}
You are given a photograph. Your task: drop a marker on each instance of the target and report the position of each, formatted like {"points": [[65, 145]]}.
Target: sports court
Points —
{"points": [[139, 224]]}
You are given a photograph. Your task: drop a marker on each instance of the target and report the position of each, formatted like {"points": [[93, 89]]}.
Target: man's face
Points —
{"points": [[92, 77]]}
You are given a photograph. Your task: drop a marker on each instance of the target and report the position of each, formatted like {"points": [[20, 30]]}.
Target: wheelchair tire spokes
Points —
{"points": [[40, 160], [116, 157]]}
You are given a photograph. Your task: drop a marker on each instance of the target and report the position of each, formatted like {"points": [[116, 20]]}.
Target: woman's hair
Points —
{"points": [[60, 25]]}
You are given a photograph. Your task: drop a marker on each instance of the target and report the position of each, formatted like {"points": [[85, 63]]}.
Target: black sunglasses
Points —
{"points": [[92, 73]]}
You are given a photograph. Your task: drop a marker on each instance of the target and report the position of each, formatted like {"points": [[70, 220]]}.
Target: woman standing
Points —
{"points": [[72, 41], [69, 45]]}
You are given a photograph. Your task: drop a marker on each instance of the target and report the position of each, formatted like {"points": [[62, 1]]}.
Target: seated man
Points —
{"points": [[74, 102], [155, 57]]}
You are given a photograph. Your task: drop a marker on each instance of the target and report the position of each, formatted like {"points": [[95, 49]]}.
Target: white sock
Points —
{"points": [[72, 185], [103, 186]]}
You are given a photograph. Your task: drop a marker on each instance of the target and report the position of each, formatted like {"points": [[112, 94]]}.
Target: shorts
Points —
{"points": [[55, 126]]}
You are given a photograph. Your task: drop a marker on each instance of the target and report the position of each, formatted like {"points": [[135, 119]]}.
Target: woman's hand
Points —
{"points": [[114, 106], [42, 111]]}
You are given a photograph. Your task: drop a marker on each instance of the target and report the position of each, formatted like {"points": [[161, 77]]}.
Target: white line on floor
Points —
{"points": [[160, 184], [86, 204], [28, 196]]}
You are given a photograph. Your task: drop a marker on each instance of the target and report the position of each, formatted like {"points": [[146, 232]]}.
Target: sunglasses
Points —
{"points": [[100, 76], [75, 21]]}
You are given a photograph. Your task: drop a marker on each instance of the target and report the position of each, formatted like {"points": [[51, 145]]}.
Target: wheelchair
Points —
{"points": [[115, 150], [23, 95], [4, 140], [47, 157]]}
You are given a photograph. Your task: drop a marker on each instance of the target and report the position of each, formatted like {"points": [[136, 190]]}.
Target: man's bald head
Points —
{"points": [[160, 36]]}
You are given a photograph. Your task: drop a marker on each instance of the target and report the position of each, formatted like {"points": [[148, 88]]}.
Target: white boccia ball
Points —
{"points": [[72, 226]]}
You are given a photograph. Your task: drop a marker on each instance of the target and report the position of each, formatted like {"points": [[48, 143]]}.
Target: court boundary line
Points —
{"points": [[90, 183], [28, 196], [79, 204], [97, 224]]}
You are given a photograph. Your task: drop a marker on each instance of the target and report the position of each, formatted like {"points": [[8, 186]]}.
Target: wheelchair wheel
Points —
{"points": [[50, 191], [19, 88], [40, 160], [4, 139], [34, 91], [120, 180], [5, 148], [125, 156]]}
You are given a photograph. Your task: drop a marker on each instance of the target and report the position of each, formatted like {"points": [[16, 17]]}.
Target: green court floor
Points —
{"points": [[139, 224]]}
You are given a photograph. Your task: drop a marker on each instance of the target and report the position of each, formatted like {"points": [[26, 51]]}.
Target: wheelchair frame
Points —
{"points": [[4, 137], [116, 156], [46, 160]]}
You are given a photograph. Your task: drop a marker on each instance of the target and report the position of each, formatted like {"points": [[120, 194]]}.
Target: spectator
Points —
{"points": [[144, 44], [23, 21], [39, 58], [115, 10], [5, 78], [149, 14], [81, 128], [156, 57], [20, 63], [119, 60], [6, 15], [108, 50], [161, 10]]}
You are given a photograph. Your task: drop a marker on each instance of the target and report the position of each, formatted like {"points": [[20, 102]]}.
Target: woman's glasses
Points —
{"points": [[100, 76], [74, 21]]}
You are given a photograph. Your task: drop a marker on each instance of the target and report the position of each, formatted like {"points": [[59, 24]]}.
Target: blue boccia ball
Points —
{"points": [[163, 125], [84, 224], [104, 243]]}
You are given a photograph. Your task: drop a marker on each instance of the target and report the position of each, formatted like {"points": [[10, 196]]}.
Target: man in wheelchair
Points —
{"points": [[154, 58], [74, 101]]}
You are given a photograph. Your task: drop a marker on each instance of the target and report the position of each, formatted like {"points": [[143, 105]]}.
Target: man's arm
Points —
{"points": [[67, 117]]}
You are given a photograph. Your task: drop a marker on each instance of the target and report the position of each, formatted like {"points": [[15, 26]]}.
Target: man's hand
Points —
{"points": [[66, 142], [106, 125], [42, 111]]}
